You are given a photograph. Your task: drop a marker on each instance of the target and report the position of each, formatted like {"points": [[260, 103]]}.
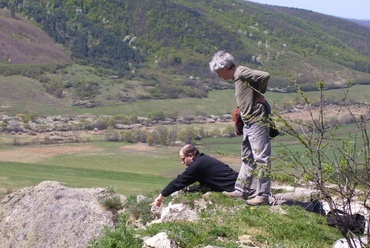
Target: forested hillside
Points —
{"points": [[165, 45]]}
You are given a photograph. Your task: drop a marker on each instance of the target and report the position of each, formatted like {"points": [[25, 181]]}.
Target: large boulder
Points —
{"points": [[52, 215]]}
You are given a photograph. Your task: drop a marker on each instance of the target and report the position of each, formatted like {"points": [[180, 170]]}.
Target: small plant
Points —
{"points": [[112, 203], [122, 236], [111, 190], [139, 210]]}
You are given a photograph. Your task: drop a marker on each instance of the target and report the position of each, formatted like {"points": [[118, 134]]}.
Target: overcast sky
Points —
{"points": [[356, 9]]}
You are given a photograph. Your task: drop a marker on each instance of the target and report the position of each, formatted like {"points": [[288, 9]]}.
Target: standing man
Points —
{"points": [[209, 172], [250, 85]]}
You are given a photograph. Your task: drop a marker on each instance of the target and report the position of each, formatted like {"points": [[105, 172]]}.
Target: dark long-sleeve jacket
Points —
{"points": [[206, 170]]}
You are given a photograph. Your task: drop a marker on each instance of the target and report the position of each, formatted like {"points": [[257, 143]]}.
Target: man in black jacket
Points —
{"points": [[209, 172]]}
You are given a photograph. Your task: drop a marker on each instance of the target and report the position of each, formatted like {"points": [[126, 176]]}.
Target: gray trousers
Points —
{"points": [[302, 198], [256, 164]]}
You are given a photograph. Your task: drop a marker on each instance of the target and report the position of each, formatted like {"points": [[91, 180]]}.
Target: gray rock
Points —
{"points": [[52, 215], [160, 240]]}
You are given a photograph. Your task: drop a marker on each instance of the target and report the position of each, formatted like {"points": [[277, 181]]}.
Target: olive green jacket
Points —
{"points": [[249, 85]]}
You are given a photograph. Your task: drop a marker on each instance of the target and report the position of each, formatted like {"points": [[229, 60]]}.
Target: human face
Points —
{"points": [[186, 160], [222, 73]]}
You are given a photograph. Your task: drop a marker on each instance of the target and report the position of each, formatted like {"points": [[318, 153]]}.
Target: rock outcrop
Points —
{"points": [[52, 215]]}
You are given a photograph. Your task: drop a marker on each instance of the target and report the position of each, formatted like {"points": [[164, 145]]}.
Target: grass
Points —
{"points": [[18, 95], [20, 175], [218, 102], [128, 171], [114, 157], [132, 170], [127, 168], [225, 222]]}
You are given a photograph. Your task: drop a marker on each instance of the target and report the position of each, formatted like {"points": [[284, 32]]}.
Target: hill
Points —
{"points": [[24, 43], [365, 23], [120, 52]]}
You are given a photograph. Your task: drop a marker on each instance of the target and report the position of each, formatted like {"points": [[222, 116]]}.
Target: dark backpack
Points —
{"points": [[346, 222]]}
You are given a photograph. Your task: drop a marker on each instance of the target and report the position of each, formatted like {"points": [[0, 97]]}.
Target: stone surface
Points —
{"points": [[52, 215]]}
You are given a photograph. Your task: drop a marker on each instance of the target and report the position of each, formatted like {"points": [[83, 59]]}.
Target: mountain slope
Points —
{"points": [[144, 51], [184, 34], [22, 43]]}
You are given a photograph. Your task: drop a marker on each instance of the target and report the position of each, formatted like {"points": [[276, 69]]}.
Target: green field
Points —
{"points": [[132, 169], [218, 102], [129, 169], [18, 94], [128, 172]]}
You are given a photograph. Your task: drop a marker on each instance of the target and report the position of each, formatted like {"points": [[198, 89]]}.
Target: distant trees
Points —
{"points": [[135, 38], [88, 41], [167, 136], [12, 6]]}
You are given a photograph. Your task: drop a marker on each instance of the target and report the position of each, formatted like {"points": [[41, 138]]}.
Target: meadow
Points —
{"points": [[136, 168], [129, 169], [132, 169], [18, 94]]}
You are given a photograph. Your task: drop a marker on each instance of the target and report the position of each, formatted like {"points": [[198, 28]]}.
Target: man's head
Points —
{"points": [[223, 64], [188, 153]]}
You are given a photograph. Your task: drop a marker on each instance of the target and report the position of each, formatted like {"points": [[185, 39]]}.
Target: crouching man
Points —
{"points": [[211, 174]]}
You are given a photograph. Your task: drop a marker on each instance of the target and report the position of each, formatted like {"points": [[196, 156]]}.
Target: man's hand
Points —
{"points": [[157, 201]]}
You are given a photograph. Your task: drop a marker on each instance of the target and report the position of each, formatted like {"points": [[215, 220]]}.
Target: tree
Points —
{"points": [[334, 162], [12, 5]]}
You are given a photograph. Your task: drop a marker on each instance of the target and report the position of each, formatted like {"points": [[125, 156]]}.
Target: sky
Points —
{"points": [[354, 9]]}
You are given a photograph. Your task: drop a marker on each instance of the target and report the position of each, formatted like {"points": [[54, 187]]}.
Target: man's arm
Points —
{"points": [[158, 201], [188, 177]]}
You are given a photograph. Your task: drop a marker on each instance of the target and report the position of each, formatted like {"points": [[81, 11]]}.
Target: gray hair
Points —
{"points": [[221, 60]]}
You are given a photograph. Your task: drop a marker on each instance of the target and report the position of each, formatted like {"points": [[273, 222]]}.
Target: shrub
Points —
{"points": [[112, 202], [328, 156], [122, 236]]}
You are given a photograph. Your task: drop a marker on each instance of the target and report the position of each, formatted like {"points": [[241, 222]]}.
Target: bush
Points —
{"points": [[122, 236], [333, 163], [113, 202]]}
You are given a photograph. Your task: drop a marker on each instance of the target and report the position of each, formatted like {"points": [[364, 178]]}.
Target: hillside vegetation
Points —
{"points": [[111, 53]]}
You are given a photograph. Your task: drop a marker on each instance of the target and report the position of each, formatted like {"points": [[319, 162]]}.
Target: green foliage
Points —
{"points": [[112, 202], [139, 210], [324, 156], [85, 90], [28, 116], [127, 136], [223, 221], [157, 115], [215, 132], [112, 135], [123, 36], [187, 135], [229, 131], [121, 237], [88, 41], [32, 71]]}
